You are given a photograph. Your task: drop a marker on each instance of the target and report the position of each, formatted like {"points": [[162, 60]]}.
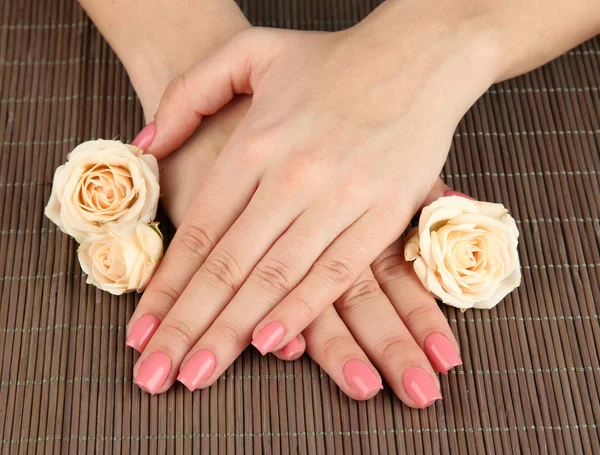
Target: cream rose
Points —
{"points": [[103, 181], [121, 257], [465, 252]]}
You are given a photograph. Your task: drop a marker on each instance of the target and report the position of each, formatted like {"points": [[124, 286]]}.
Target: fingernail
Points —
{"points": [[145, 137], [457, 193], [421, 387], [269, 337], [292, 349], [361, 378], [153, 372], [142, 331], [441, 353], [197, 369]]}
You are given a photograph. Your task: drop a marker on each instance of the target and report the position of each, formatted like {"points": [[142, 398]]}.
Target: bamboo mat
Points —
{"points": [[531, 376]]}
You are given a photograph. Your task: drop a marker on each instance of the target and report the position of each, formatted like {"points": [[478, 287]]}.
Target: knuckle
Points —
{"points": [[164, 291], [359, 293], [273, 274], [305, 310], [419, 314], [174, 94], [178, 329], [336, 344], [339, 272], [392, 267], [394, 346], [197, 240], [231, 334], [223, 270]]}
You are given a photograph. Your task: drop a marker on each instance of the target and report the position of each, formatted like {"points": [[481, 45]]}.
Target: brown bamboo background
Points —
{"points": [[531, 378]]}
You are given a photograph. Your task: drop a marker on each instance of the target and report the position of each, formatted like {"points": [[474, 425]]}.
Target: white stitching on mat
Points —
{"points": [[292, 376], [524, 221], [542, 90], [8, 185], [527, 133], [39, 277], [528, 319], [75, 275], [521, 174], [384, 431], [28, 231], [53, 99], [55, 142], [45, 26], [471, 174], [469, 320], [95, 61], [63, 326], [560, 266], [585, 52]]}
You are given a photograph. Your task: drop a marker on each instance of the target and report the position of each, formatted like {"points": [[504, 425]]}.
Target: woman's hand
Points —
{"points": [[325, 170], [386, 321]]}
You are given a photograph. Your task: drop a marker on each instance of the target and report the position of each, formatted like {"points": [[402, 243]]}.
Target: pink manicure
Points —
{"points": [[457, 193], [197, 369], [441, 353], [421, 387], [269, 337], [292, 349], [153, 372], [142, 331], [145, 137], [361, 378]]}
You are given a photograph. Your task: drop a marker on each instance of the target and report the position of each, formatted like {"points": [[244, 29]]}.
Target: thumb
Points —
{"points": [[440, 189], [204, 89]]}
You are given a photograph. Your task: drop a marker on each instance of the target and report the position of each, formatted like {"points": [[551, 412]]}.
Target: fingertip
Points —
{"points": [[293, 350]]}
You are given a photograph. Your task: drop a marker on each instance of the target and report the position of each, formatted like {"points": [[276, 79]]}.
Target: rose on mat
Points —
{"points": [[103, 181], [106, 196], [121, 257], [465, 252]]}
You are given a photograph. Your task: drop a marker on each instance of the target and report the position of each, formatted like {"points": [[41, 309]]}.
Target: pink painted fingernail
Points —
{"points": [[197, 369], [292, 349], [457, 193], [421, 387], [153, 372], [441, 353], [142, 331], [145, 137], [269, 337], [361, 378]]}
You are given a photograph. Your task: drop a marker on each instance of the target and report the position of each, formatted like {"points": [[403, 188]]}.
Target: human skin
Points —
{"points": [[154, 48], [329, 164]]}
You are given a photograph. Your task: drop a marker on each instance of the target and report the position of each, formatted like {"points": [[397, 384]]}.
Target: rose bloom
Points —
{"points": [[465, 252], [103, 181], [121, 257]]}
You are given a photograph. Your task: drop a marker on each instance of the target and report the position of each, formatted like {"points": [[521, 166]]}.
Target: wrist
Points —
{"points": [[155, 43], [152, 68], [453, 56]]}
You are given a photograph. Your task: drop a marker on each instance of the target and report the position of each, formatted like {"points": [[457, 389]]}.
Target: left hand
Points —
{"points": [[290, 215]]}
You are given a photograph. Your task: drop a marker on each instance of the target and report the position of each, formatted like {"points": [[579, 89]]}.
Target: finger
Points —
{"points": [[415, 305], [291, 351], [378, 329], [234, 68], [417, 308], [219, 203], [277, 273], [331, 345], [212, 287], [335, 270]]}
